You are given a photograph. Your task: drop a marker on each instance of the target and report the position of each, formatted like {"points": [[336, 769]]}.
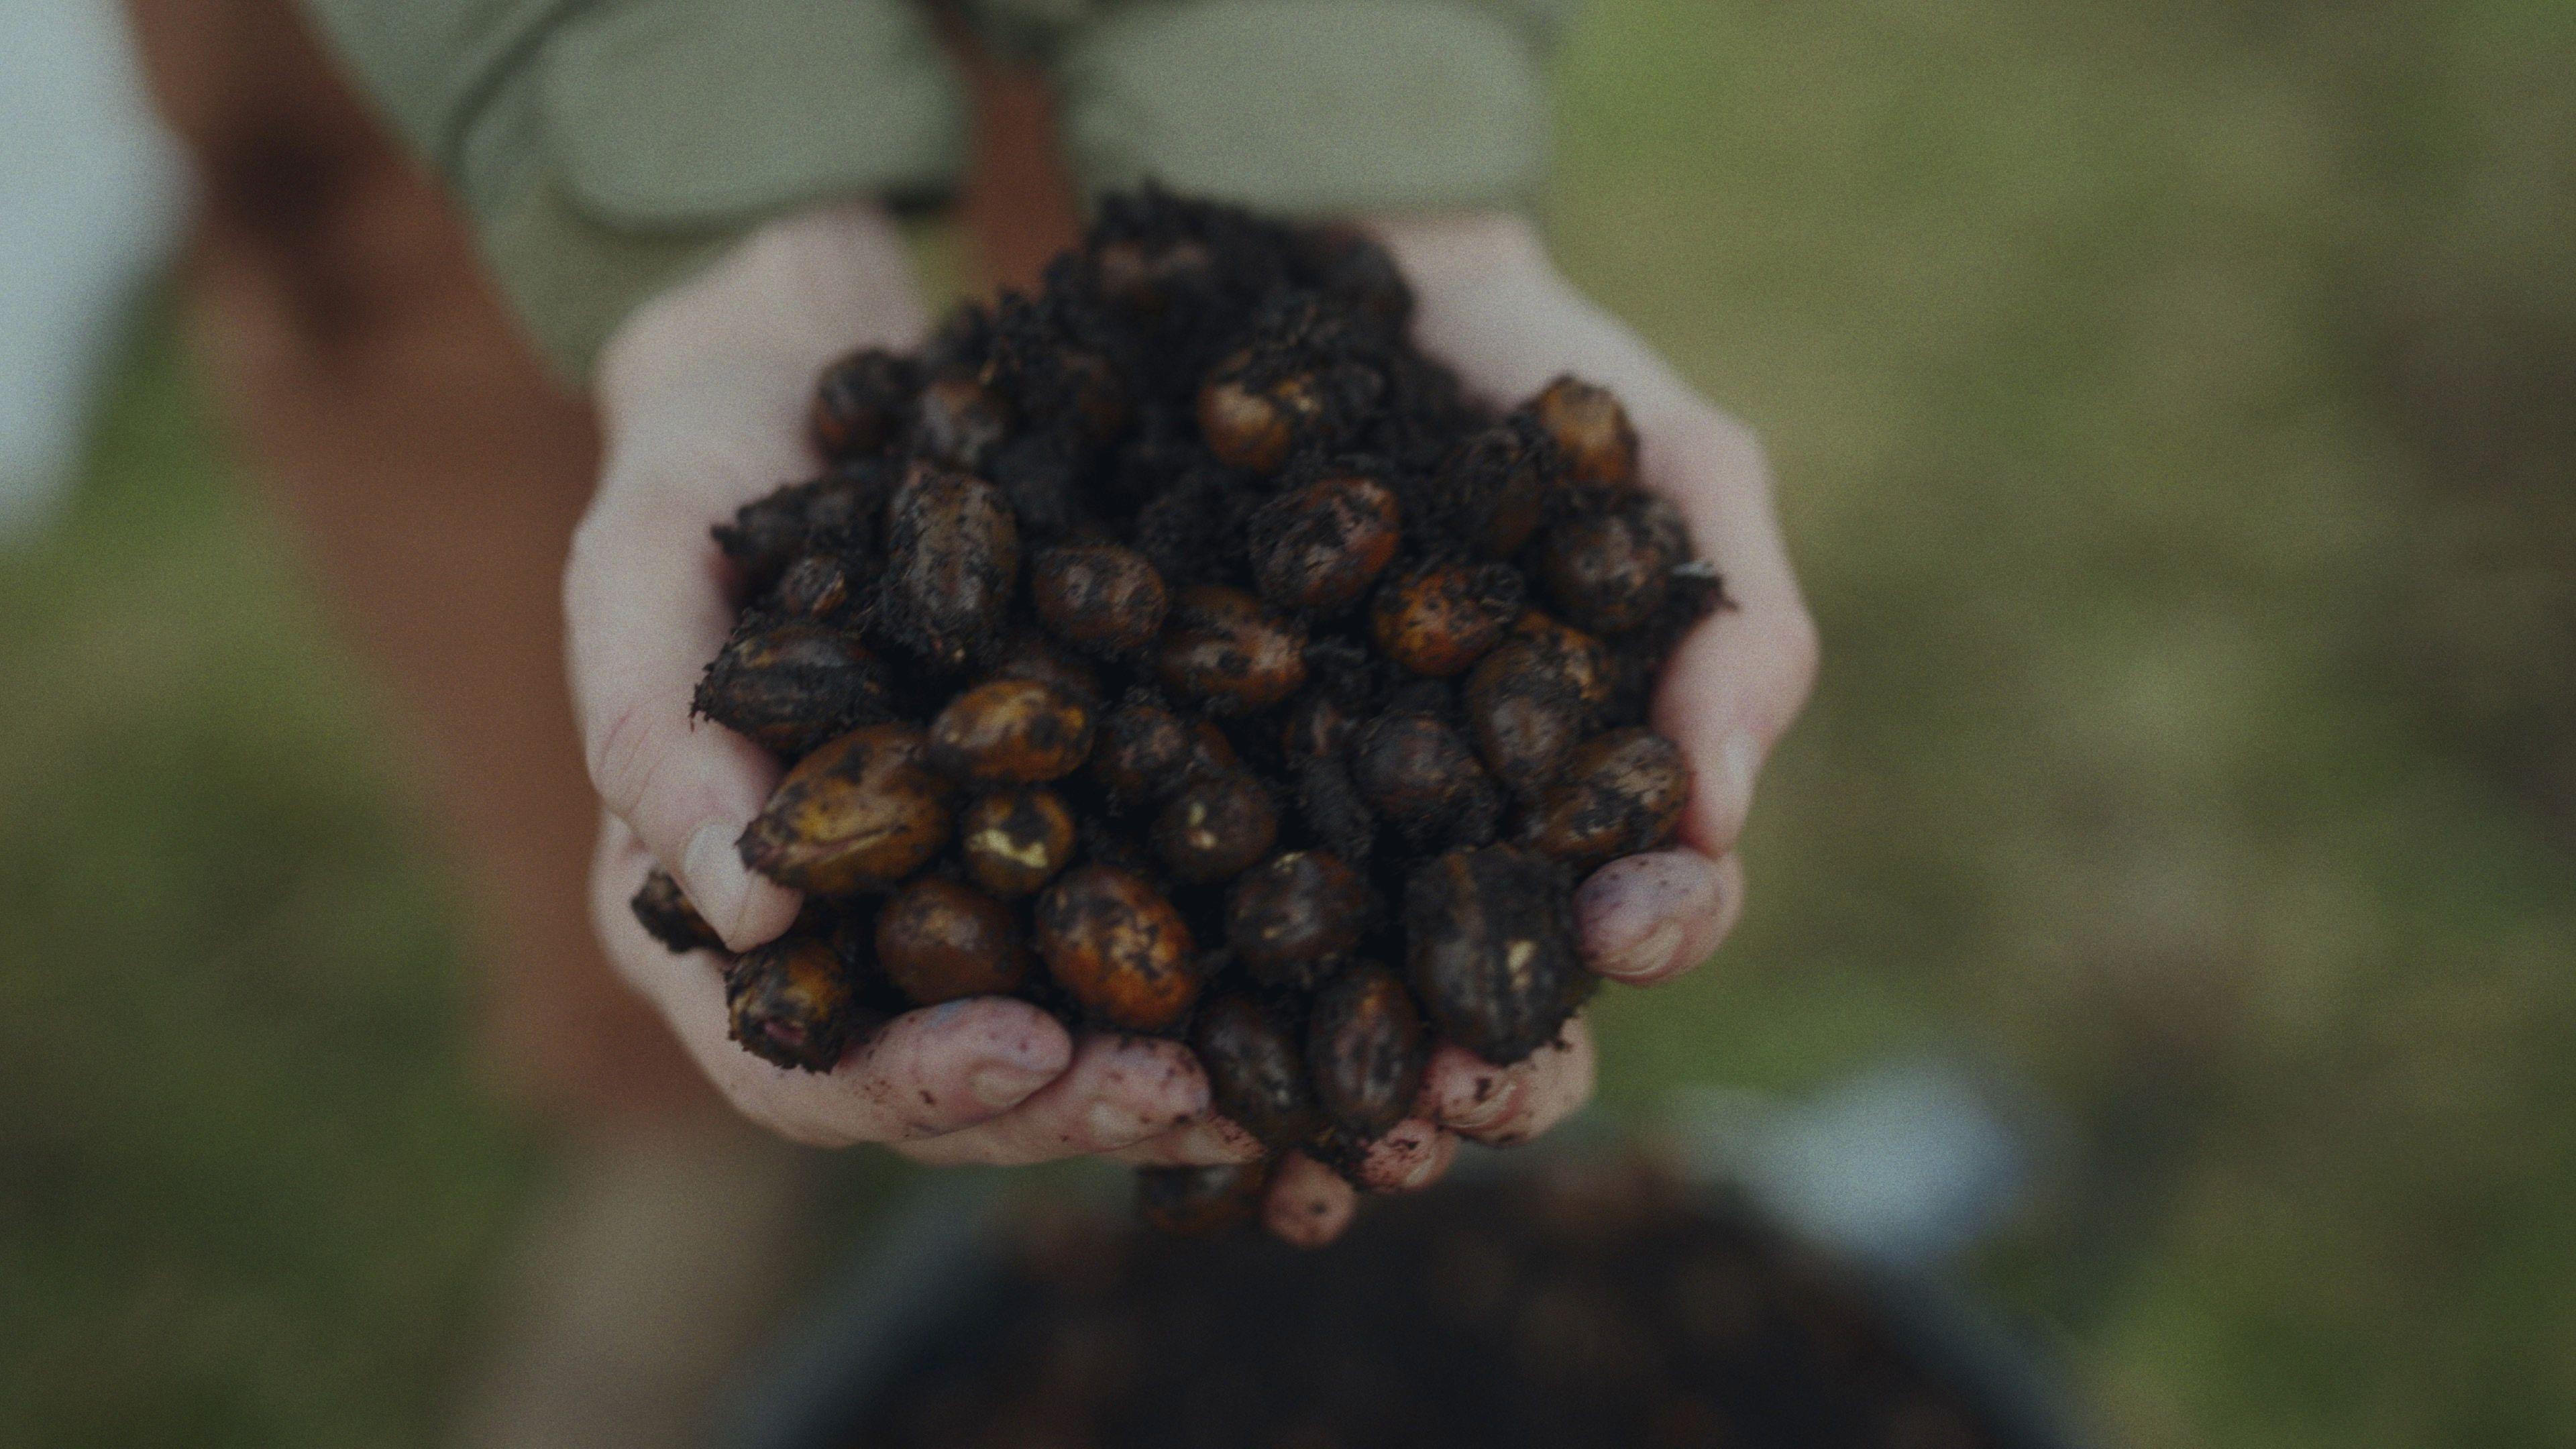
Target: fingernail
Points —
{"points": [[1633, 911], [713, 876], [1424, 1167], [1004, 1084], [1497, 1106]]}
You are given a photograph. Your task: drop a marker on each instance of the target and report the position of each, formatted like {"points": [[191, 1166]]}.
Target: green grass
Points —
{"points": [[2172, 407]]}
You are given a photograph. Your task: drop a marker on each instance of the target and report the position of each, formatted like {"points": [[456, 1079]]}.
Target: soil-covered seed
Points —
{"points": [[793, 1002], [1365, 1045], [1227, 651], [860, 402], [1526, 717], [667, 915], [1622, 793], [1256, 1074], [1098, 596], [938, 941], [957, 421], [1609, 571], [1593, 432], [1011, 842], [790, 686], [1216, 828], [1011, 732], [1440, 620], [1292, 919], [861, 812], [1119, 948], [1146, 751], [1320, 546], [954, 551], [1490, 948], [1417, 772]]}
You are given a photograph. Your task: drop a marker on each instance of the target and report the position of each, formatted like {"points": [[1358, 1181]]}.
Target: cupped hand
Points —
{"points": [[1490, 303], [703, 396]]}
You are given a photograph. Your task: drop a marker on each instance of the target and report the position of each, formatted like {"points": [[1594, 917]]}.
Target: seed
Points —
{"points": [[1416, 770], [958, 422], [816, 586], [1097, 395], [955, 554], [1224, 648], [1099, 596], [1440, 620], [1216, 829], [1621, 793], [1292, 919], [1525, 716], [860, 402], [938, 941], [1319, 547], [1489, 947], [1609, 571], [1147, 275], [1359, 273], [768, 534], [791, 686], [1496, 485], [1145, 751], [1582, 661], [1119, 948], [1255, 1075], [669, 917], [791, 1002], [1014, 841], [861, 812], [1592, 430], [1030, 655], [1317, 727], [1201, 1202], [1252, 426], [1365, 1045], [1010, 732]]}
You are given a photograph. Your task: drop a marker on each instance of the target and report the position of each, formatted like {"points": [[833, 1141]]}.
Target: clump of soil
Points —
{"points": [[1591, 1304], [1182, 650]]}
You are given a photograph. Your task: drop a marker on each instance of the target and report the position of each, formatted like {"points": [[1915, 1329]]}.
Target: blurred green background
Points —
{"points": [[2175, 407]]}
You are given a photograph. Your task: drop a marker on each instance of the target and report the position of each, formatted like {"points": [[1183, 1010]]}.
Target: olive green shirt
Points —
{"points": [[606, 148]]}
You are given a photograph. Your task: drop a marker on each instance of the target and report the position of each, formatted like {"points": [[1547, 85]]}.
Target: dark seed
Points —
{"points": [[1216, 829], [1319, 547], [1256, 1076], [1489, 947], [1496, 485], [1225, 648], [1119, 948], [1525, 716], [791, 686], [1317, 727], [843, 506], [1440, 620], [861, 812], [1253, 427], [1030, 655], [1621, 793], [1011, 732], [860, 402], [1292, 919], [1147, 276], [1146, 752], [791, 1002], [1365, 1045], [1609, 571], [939, 941], [955, 554], [1014, 841], [1592, 430], [956, 421], [1582, 661], [1099, 596], [1201, 1202], [668, 917], [1417, 772], [816, 586]]}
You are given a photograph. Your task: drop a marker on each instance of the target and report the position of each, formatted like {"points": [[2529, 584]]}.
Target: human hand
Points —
{"points": [[703, 396], [1489, 303]]}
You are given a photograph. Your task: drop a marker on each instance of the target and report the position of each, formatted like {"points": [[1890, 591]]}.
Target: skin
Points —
{"points": [[703, 393]]}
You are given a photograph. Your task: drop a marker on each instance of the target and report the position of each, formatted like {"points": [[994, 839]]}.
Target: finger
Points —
{"points": [[923, 1074], [1410, 1157], [1505, 1106], [1210, 1142], [1120, 1090], [1648, 918], [1308, 1204]]}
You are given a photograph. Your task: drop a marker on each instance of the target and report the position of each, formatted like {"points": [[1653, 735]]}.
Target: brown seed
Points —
{"points": [[816, 586], [1145, 752], [1200, 1202], [1225, 648], [1216, 829], [1098, 394], [1609, 571], [860, 402], [861, 812], [669, 917], [1417, 771], [1365, 1046], [1112, 941], [1099, 596], [1011, 732], [768, 533], [1592, 430], [1582, 661], [1621, 793], [1489, 948], [1496, 485], [958, 422], [939, 941], [1014, 841], [1319, 547], [954, 553], [791, 1002], [1317, 727], [1253, 428], [1147, 275], [1293, 918], [791, 686], [1525, 717], [1438, 621], [1255, 1074]]}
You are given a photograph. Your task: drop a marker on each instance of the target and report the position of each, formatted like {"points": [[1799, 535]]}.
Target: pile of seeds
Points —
{"points": [[1181, 650]]}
